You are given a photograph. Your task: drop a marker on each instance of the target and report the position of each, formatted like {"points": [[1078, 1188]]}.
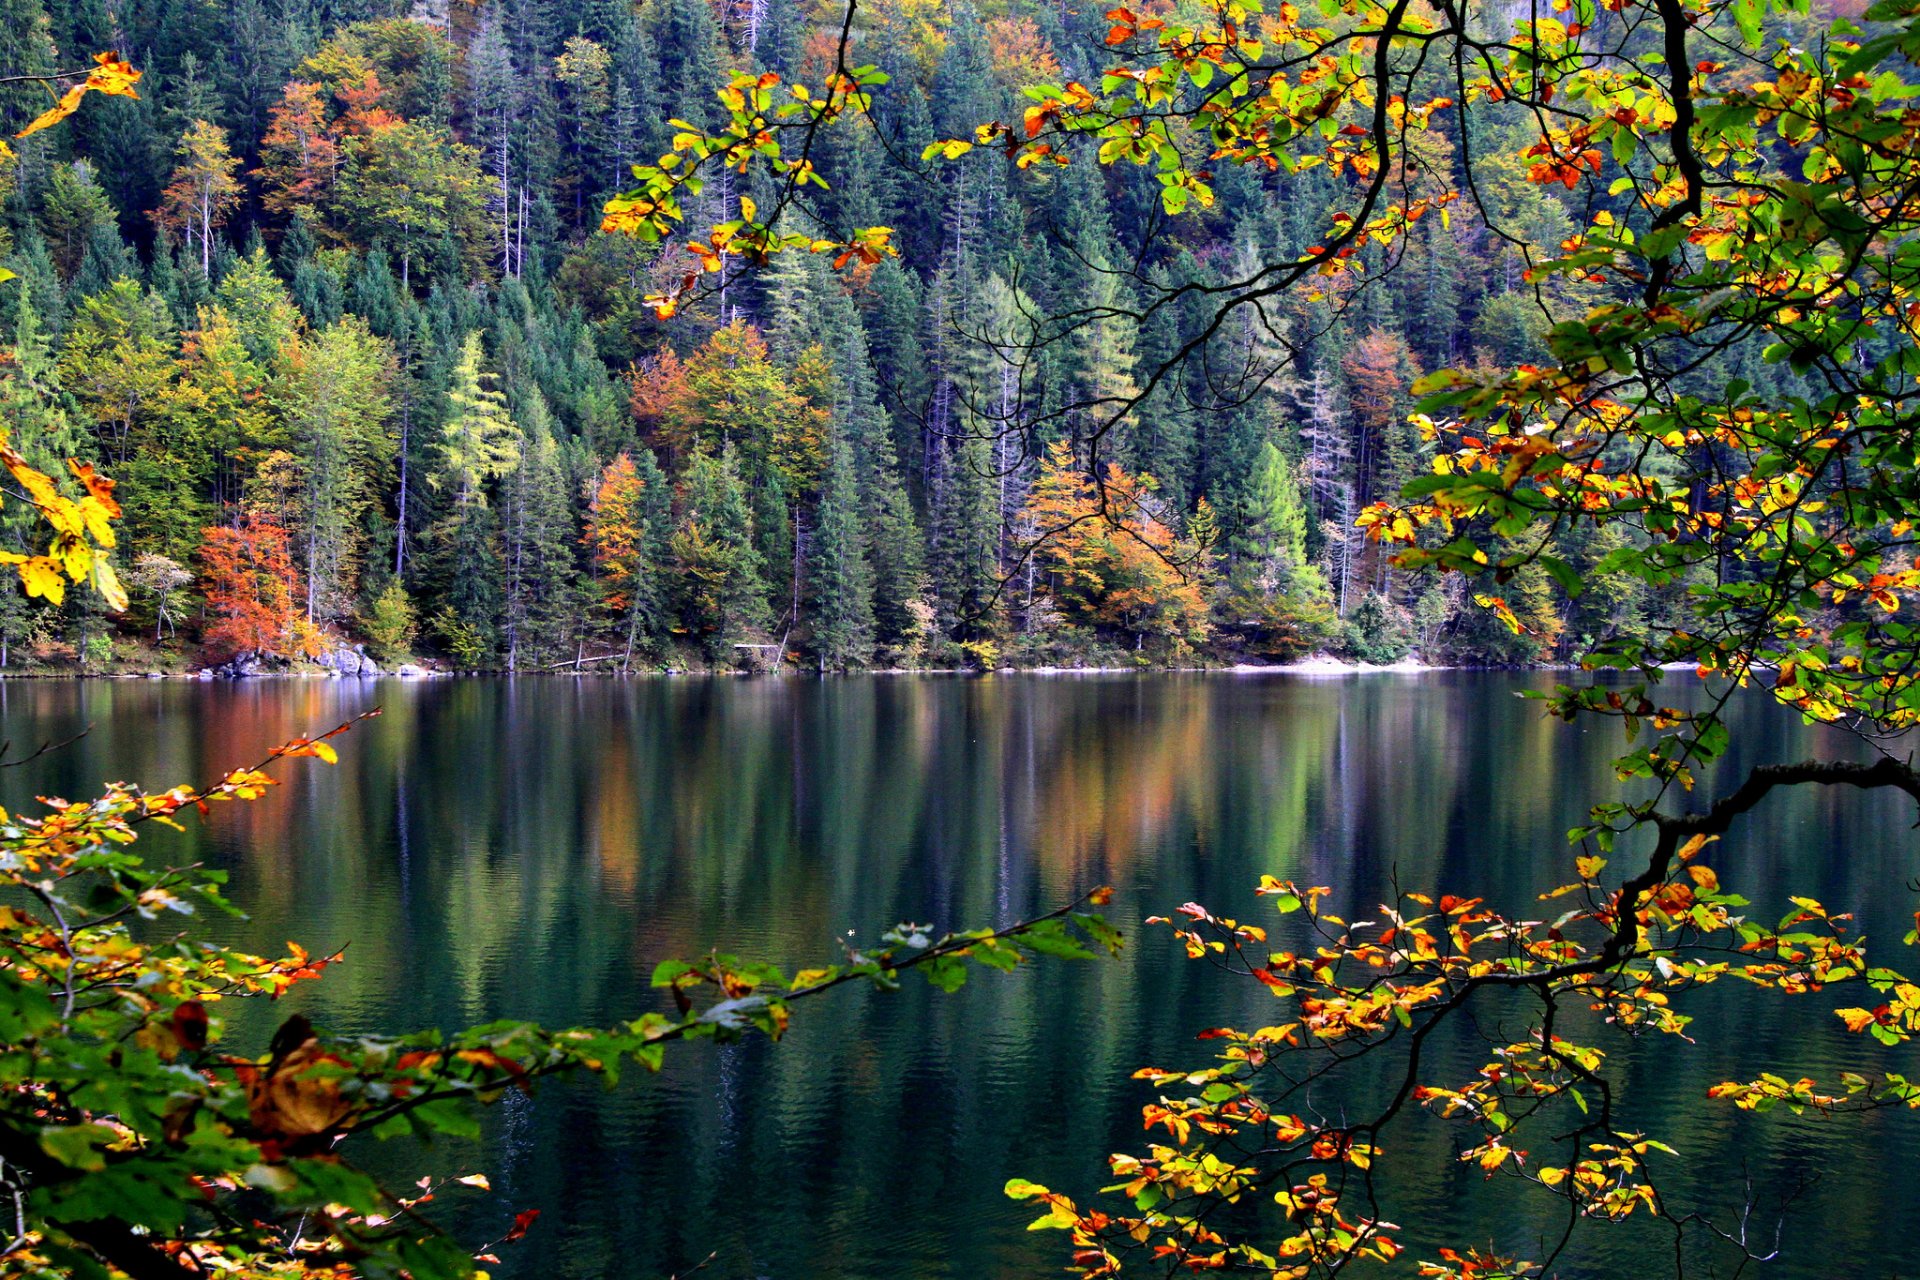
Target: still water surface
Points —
{"points": [[494, 848]]}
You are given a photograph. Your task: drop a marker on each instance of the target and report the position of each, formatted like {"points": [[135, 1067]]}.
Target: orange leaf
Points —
{"points": [[111, 75]]}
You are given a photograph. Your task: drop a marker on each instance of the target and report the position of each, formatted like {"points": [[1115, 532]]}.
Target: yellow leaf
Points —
{"points": [[111, 75], [1857, 1019], [107, 583], [68, 104], [1694, 846], [41, 576]]}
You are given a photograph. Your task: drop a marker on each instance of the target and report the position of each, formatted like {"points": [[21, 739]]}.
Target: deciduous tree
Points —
{"points": [[202, 192], [254, 590]]}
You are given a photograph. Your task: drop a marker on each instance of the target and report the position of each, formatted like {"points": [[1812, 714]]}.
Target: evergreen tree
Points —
{"points": [[965, 560], [720, 596], [541, 608], [478, 444], [839, 581]]}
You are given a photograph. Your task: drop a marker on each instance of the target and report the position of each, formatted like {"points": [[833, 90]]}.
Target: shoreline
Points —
{"points": [[1318, 666]]}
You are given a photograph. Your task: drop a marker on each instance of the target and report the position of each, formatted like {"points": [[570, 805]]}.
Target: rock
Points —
{"points": [[237, 667], [408, 671], [345, 661]]}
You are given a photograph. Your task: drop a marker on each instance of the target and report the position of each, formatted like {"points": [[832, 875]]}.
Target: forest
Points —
{"points": [[330, 299], [525, 336]]}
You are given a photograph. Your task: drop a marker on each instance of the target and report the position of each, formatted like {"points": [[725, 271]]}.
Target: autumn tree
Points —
{"points": [[1110, 560], [254, 590], [661, 404], [202, 192], [736, 395], [623, 536], [300, 155]]}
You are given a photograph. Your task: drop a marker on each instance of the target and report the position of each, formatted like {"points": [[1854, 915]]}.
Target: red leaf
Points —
{"points": [[189, 1025]]}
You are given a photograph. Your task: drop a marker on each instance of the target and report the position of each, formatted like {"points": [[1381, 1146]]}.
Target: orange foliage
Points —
{"points": [[659, 398], [111, 74], [1378, 369], [1021, 54], [253, 586], [366, 110], [300, 152], [1112, 561], [614, 531]]}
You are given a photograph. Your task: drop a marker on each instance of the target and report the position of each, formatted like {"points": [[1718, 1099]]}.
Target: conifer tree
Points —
{"points": [[478, 443], [839, 580], [541, 610], [720, 594], [965, 557], [1275, 542]]}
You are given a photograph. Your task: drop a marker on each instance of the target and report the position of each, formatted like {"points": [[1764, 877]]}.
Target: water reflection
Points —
{"points": [[492, 848]]}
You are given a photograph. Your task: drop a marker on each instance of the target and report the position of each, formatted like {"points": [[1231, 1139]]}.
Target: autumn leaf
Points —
{"points": [[112, 75]]}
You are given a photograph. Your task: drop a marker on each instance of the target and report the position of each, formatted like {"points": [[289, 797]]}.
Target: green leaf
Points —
{"points": [[77, 1146]]}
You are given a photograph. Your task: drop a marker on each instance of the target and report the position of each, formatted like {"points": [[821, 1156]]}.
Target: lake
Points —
{"points": [[532, 848]]}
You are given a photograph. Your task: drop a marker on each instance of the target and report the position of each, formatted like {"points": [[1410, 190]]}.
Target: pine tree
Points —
{"points": [[479, 441], [73, 213], [1275, 543], [478, 444], [839, 580], [965, 560], [541, 609], [720, 595]]}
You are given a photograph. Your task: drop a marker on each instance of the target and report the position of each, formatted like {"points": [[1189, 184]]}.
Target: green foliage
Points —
{"points": [[389, 623]]}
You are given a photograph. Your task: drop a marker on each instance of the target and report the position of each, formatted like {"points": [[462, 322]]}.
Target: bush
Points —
{"points": [[468, 646], [1379, 631], [390, 624], [1278, 628]]}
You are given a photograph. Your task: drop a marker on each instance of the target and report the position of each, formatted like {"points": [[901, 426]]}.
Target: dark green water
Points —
{"points": [[491, 848]]}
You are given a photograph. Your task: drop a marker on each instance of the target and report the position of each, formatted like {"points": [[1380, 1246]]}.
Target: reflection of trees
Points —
{"points": [[534, 847]]}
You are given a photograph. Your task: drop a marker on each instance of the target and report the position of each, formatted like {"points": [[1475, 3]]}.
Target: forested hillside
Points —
{"points": [[330, 300]]}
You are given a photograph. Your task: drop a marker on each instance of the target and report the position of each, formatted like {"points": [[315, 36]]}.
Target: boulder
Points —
{"points": [[239, 666], [345, 660]]}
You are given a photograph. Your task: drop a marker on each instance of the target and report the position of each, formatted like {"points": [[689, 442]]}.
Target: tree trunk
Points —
{"points": [[400, 524]]}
